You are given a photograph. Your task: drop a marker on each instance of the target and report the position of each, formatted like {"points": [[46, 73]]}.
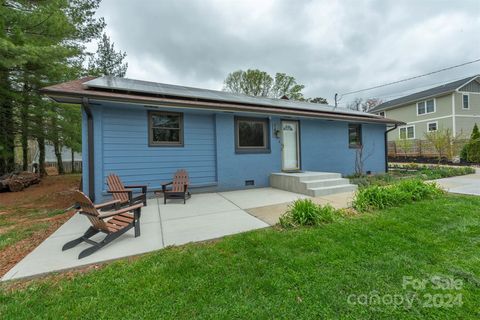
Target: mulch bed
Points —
{"points": [[52, 193]]}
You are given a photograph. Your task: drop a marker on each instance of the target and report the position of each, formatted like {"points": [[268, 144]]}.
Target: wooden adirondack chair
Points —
{"points": [[179, 188], [123, 193], [113, 223]]}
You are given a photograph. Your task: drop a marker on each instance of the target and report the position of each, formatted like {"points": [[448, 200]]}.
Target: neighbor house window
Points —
{"points": [[432, 126], [382, 114], [354, 135], [165, 128], [407, 132], [427, 106], [251, 135], [466, 101]]}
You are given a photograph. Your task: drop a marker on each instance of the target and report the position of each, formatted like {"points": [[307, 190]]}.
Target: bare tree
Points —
{"points": [[359, 104], [360, 157]]}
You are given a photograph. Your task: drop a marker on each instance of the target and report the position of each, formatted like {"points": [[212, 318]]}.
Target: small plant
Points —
{"points": [[405, 191], [304, 212]]}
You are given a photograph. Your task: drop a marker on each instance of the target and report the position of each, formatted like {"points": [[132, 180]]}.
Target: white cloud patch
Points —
{"points": [[329, 46]]}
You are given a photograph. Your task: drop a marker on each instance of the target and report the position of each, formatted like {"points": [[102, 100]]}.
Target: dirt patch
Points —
{"points": [[28, 217]]}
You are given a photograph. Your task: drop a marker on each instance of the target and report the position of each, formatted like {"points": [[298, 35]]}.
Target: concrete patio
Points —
{"points": [[205, 216], [468, 184]]}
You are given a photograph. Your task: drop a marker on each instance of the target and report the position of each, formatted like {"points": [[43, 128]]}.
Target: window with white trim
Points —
{"points": [[432, 126], [407, 132], [466, 101], [425, 107], [382, 114]]}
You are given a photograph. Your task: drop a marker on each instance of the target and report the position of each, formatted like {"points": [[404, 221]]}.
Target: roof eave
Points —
{"points": [[76, 97]]}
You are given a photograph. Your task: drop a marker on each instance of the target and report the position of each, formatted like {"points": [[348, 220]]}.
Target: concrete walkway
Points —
{"points": [[468, 184], [271, 213], [204, 216]]}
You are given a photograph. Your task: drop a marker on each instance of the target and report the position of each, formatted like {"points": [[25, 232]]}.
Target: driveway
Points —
{"points": [[468, 184]]}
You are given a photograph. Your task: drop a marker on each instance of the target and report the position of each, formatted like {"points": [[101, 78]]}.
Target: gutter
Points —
{"points": [[152, 102], [91, 173], [386, 145]]}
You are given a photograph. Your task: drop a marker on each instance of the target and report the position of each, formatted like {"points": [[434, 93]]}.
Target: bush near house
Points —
{"points": [[304, 212], [471, 150], [406, 191]]}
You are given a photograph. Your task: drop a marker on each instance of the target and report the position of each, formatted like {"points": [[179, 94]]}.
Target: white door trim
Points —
{"points": [[297, 140]]}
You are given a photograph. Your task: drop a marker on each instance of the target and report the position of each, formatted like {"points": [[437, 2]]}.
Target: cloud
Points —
{"points": [[329, 46]]}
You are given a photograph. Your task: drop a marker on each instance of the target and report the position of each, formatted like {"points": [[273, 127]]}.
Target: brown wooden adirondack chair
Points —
{"points": [[114, 223], [123, 193], [179, 188]]}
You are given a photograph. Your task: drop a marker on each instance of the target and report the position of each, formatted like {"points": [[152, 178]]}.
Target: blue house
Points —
{"points": [[145, 131]]}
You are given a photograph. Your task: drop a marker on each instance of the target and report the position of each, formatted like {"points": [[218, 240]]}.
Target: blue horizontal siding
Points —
{"points": [[121, 147], [126, 151]]}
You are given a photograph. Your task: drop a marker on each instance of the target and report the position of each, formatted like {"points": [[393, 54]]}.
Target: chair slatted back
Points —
{"points": [[180, 179], [115, 184], [88, 209]]}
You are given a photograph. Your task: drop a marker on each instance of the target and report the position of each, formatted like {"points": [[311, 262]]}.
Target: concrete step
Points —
{"points": [[313, 176], [325, 182], [311, 183], [323, 191]]}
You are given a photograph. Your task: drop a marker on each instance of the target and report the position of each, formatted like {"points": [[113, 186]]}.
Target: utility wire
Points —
{"points": [[402, 93], [411, 78]]}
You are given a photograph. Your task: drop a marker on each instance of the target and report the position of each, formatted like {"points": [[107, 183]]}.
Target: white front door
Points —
{"points": [[290, 146]]}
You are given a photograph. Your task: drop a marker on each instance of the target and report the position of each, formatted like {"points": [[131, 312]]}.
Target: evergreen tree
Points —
{"points": [[41, 43], [106, 61]]}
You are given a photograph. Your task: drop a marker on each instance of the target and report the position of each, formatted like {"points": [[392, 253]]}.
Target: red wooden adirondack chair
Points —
{"points": [[123, 193], [179, 189], [113, 223]]}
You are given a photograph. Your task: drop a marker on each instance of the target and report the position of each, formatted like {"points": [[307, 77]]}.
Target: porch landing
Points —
{"points": [[311, 183]]}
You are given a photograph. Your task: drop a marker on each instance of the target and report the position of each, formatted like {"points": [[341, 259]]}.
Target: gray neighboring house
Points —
{"points": [[454, 105]]}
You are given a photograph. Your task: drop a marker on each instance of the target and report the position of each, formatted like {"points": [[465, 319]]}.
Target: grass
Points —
{"points": [[298, 273], [33, 209], [22, 223], [407, 171], [304, 212]]}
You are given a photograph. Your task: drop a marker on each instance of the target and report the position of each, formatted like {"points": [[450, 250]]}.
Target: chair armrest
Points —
{"points": [[143, 187], [123, 210], [135, 187], [164, 185], [119, 191], [106, 204]]}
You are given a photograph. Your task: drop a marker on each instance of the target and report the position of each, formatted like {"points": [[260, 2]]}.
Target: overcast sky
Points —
{"points": [[329, 46]]}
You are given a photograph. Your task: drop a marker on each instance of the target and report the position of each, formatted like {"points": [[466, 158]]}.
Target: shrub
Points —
{"points": [[405, 191], [304, 212], [471, 150]]}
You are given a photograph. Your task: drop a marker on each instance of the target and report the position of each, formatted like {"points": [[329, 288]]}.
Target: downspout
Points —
{"points": [[91, 173], [386, 146]]}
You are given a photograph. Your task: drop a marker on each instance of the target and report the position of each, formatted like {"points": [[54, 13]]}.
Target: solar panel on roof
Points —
{"points": [[141, 86]]}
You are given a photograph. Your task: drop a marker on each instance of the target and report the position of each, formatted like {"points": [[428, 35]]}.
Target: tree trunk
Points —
{"points": [[58, 153], [41, 156], [41, 145], [56, 144], [73, 160], [24, 137], [7, 132]]}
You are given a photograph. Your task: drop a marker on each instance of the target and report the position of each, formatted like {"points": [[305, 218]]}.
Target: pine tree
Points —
{"points": [[41, 43], [106, 61]]}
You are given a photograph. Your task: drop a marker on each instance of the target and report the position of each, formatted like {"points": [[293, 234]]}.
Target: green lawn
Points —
{"points": [[272, 273]]}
